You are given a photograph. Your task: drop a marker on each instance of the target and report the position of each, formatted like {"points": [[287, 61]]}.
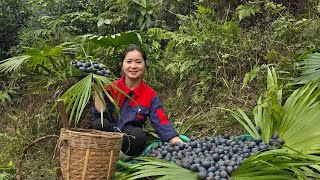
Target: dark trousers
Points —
{"points": [[134, 139]]}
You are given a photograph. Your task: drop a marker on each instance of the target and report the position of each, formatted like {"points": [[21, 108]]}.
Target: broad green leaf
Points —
{"points": [[119, 40]]}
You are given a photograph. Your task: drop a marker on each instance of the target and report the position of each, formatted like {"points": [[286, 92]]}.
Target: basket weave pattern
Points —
{"points": [[88, 154]]}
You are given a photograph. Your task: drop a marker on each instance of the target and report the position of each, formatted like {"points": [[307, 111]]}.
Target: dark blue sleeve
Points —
{"points": [[160, 122]]}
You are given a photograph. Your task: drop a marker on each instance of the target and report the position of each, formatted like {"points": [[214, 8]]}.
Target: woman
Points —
{"points": [[133, 113]]}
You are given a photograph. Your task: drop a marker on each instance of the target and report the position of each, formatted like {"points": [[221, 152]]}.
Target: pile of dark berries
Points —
{"points": [[212, 157], [88, 67]]}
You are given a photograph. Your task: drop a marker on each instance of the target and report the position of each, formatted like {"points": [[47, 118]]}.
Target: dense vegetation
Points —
{"points": [[205, 57]]}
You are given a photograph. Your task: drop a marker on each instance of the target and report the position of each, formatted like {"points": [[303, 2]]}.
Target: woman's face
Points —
{"points": [[133, 65]]}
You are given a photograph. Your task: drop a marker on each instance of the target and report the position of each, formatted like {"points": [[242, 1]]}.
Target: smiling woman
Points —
{"points": [[144, 102]]}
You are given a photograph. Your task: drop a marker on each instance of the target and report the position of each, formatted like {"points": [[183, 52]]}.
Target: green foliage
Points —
{"points": [[48, 62], [276, 165], [153, 167], [119, 40], [274, 8], [248, 10], [5, 95], [309, 66], [6, 171], [55, 23], [203, 49], [142, 13], [251, 75], [77, 97], [5, 176], [13, 17], [108, 49], [114, 18], [298, 114]]}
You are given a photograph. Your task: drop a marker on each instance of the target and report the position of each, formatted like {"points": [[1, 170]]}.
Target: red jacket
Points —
{"points": [[134, 113]]}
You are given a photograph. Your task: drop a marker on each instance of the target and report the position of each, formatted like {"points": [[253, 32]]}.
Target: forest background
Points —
{"points": [[204, 55]]}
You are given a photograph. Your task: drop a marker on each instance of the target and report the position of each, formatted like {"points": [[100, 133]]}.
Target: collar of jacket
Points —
{"points": [[138, 90]]}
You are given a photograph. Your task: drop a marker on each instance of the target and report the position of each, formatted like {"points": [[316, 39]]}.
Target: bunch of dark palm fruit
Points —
{"points": [[92, 67]]}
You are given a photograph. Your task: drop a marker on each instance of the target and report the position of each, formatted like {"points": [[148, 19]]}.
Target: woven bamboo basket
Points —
{"points": [[88, 154]]}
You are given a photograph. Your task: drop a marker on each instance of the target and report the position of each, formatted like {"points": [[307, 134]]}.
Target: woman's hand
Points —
{"points": [[175, 140], [98, 98]]}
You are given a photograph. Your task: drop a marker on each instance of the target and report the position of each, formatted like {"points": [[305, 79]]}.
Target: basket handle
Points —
{"points": [[63, 114]]}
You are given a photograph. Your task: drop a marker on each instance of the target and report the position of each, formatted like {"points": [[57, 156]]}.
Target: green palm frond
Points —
{"points": [[268, 111], [34, 58], [245, 121], [153, 167], [309, 65], [278, 164], [12, 64], [77, 97], [300, 123], [297, 121]]}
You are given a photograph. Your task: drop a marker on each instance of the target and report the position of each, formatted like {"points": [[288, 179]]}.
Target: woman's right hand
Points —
{"points": [[98, 98]]}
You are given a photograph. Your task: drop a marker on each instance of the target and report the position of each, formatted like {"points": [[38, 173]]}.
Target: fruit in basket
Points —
{"points": [[92, 67]]}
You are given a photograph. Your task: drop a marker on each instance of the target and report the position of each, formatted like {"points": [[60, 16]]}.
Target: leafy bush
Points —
{"points": [[13, 17]]}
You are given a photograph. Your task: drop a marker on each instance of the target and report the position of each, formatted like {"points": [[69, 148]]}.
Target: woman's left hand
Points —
{"points": [[175, 140]]}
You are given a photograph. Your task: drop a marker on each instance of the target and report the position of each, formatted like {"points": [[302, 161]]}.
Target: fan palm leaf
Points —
{"points": [[300, 113], [12, 64], [35, 58], [153, 167], [300, 123], [77, 97], [309, 65], [278, 164]]}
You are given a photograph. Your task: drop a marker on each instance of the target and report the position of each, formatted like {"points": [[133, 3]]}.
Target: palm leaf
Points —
{"points": [[277, 164], [12, 64], [34, 58], [117, 40], [309, 65], [300, 123], [77, 97], [245, 121], [268, 111], [153, 167]]}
